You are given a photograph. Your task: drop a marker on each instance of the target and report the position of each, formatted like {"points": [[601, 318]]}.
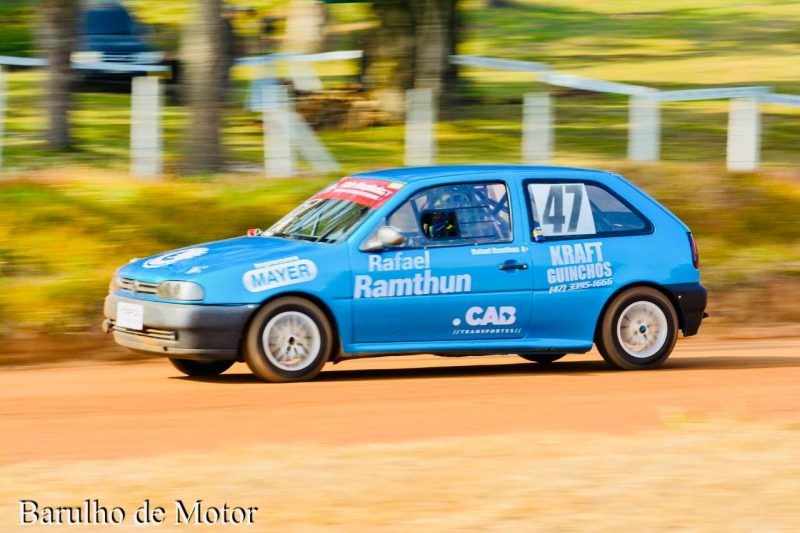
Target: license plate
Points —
{"points": [[130, 316]]}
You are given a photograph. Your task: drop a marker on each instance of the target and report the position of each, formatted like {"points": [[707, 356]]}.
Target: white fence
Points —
{"points": [[285, 131], [287, 134], [644, 116]]}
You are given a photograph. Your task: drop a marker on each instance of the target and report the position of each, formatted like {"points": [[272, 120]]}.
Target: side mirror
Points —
{"points": [[385, 237]]}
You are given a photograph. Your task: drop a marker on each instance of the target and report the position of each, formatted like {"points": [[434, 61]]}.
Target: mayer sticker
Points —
{"points": [[279, 273], [371, 193], [174, 257]]}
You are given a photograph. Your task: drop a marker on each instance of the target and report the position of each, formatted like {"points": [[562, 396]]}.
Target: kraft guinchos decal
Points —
{"points": [[279, 273], [420, 283], [174, 257], [578, 266]]}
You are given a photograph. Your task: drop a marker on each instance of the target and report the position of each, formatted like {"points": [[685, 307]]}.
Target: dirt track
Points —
{"points": [[118, 410]]}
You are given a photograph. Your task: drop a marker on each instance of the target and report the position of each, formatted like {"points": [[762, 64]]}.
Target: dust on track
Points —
{"points": [[106, 411]]}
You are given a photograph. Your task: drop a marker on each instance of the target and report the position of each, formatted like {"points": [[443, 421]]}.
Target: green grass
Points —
{"points": [[679, 43], [592, 127], [17, 32], [63, 232], [668, 45]]}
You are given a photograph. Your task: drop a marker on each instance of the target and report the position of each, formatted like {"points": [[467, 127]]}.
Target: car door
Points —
{"points": [[461, 274], [586, 241]]}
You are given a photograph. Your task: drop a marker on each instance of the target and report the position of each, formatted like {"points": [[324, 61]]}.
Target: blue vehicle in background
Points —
{"points": [[107, 33], [451, 260]]}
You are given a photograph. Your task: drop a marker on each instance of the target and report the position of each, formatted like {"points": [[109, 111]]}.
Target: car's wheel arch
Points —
{"points": [[660, 288], [295, 294]]}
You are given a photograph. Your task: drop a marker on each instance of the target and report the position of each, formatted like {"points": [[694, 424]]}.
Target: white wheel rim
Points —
{"points": [[291, 341], [642, 329]]}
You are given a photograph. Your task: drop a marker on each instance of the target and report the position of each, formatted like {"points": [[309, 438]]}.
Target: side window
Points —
{"points": [[580, 209], [463, 213]]}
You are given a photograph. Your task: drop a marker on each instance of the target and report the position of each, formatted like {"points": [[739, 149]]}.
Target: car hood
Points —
{"points": [[190, 262]]}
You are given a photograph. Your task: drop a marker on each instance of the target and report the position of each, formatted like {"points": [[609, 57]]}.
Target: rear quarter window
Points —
{"points": [[580, 209]]}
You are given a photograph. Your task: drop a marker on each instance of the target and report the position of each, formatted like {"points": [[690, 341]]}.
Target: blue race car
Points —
{"points": [[449, 260]]}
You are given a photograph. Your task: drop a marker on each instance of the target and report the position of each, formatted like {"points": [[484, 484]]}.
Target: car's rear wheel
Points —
{"points": [[542, 358], [200, 368], [638, 330], [289, 339]]}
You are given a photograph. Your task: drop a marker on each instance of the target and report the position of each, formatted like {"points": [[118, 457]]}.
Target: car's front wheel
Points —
{"points": [[200, 368], [289, 339], [638, 330]]}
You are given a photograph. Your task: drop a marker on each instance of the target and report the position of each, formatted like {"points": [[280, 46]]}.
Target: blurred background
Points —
{"points": [[135, 126]]}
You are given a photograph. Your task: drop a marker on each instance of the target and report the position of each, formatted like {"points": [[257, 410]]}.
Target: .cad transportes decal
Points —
{"points": [[491, 320]]}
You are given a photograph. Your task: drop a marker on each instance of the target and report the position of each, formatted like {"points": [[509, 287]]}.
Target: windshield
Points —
{"points": [[333, 213], [107, 21], [320, 220]]}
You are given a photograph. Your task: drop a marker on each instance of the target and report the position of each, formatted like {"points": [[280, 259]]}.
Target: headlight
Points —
{"points": [[87, 57], [180, 290], [148, 58], [115, 284]]}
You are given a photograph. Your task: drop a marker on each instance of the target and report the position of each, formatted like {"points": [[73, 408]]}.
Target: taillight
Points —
{"points": [[695, 255]]}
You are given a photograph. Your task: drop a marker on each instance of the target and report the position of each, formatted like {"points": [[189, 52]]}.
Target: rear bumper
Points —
{"points": [[202, 332], [691, 300]]}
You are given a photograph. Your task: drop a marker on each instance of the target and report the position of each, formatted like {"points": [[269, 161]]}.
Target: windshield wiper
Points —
{"points": [[296, 236]]}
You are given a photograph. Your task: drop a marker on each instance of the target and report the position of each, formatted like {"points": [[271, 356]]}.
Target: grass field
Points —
{"points": [[676, 44], [689, 476], [63, 232], [68, 219]]}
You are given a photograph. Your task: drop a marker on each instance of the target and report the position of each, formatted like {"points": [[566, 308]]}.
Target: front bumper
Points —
{"points": [[691, 300], [187, 331]]}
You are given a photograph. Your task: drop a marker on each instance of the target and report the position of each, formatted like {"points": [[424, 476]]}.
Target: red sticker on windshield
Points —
{"points": [[371, 193]]}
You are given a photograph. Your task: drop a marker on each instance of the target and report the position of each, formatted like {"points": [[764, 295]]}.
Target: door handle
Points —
{"points": [[513, 265]]}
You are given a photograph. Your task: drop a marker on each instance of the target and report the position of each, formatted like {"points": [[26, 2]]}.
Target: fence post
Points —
{"points": [[3, 100], [420, 139], [744, 134], [537, 129], [146, 136], [310, 147], [278, 150], [644, 128]]}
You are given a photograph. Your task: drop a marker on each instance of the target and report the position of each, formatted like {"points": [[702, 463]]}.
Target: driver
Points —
{"points": [[439, 226]]}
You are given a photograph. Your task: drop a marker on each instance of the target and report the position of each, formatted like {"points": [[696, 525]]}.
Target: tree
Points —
{"points": [[205, 54], [60, 26], [412, 50]]}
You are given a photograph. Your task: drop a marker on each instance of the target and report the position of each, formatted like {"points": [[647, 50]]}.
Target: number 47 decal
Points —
{"points": [[554, 207], [554, 202]]}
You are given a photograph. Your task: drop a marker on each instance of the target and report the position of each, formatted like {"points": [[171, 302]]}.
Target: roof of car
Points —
{"points": [[409, 174]]}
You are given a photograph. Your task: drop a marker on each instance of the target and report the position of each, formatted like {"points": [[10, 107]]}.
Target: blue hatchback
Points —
{"points": [[450, 260]]}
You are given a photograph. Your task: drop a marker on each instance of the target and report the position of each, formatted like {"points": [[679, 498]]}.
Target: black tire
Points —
{"points": [[626, 345], [317, 349], [542, 358], [201, 368]]}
